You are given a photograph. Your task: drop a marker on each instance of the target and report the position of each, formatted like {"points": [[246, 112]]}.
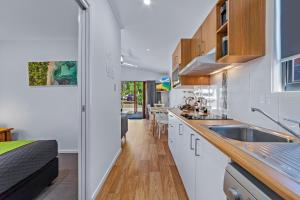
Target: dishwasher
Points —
{"points": [[241, 185]]}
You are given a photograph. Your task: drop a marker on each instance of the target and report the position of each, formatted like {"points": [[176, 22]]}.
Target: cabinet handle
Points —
{"points": [[203, 50], [191, 143], [200, 49], [196, 147], [176, 60], [180, 128]]}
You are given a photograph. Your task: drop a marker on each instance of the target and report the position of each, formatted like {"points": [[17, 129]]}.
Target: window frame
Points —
{"points": [[288, 84], [286, 64]]}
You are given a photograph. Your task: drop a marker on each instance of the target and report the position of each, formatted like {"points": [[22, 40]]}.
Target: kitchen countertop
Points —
{"points": [[283, 185]]}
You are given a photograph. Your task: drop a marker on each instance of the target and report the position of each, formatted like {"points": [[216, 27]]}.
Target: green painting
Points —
{"points": [[52, 73]]}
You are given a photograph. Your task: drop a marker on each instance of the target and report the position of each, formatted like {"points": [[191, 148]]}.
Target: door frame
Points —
{"points": [[144, 99], [83, 62], [135, 104]]}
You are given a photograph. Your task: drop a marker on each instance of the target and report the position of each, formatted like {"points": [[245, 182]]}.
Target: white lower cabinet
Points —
{"points": [[178, 156], [172, 133], [210, 170], [171, 136], [189, 167], [200, 164]]}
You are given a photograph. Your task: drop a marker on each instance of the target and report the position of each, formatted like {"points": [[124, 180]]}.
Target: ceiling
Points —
{"points": [[157, 27], [38, 19]]}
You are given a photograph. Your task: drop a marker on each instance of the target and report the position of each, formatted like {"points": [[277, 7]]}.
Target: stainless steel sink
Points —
{"points": [[246, 133]]}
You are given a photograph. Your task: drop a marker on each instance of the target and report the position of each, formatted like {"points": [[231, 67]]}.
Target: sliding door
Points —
{"points": [[132, 99]]}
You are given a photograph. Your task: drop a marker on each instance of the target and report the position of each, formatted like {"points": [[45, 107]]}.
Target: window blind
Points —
{"points": [[290, 28]]}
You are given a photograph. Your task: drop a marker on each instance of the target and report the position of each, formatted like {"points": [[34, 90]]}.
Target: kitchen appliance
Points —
{"points": [[203, 65], [241, 185]]}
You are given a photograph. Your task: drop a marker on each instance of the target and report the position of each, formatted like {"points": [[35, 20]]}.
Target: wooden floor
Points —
{"points": [[65, 186], [144, 170]]}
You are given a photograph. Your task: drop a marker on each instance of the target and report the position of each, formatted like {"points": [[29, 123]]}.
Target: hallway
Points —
{"points": [[144, 170]]}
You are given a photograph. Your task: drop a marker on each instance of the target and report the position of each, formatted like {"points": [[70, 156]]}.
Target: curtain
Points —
{"points": [[290, 38], [151, 93]]}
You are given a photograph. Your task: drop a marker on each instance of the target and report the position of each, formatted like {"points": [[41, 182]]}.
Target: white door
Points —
{"points": [[83, 63], [178, 156], [172, 133], [189, 165], [210, 170], [171, 136]]}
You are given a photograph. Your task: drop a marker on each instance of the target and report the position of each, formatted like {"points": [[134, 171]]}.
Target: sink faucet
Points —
{"points": [[278, 122]]}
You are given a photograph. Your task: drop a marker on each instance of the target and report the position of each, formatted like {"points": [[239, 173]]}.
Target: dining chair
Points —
{"points": [[162, 122]]}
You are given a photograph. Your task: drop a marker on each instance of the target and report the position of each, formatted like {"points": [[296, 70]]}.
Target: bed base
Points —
{"points": [[31, 187]]}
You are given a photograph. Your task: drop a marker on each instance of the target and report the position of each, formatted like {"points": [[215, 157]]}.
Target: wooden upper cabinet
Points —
{"points": [[244, 31], [204, 40], [196, 44], [209, 32], [182, 54], [194, 80], [180, 58]]}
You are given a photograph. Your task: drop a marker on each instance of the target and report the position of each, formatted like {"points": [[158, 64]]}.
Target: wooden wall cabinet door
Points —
{"points": [[175, 58], [204, 40], [197, 44], [196, 48], [182, 54], [209, 32], [195, 80]]}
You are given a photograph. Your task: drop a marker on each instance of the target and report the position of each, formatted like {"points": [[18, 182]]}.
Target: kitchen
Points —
{"points": [[261, 161], [233, 120]]}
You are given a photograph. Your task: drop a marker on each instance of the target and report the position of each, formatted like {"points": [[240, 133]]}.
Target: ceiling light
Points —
{"points": [[147, 50], [223, 69], [147, 2]]}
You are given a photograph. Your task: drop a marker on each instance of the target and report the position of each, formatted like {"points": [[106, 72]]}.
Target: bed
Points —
{"points": [[27, 170]]}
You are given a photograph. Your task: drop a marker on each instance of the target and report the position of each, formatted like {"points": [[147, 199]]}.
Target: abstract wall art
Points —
{"points": [[52, 73]]}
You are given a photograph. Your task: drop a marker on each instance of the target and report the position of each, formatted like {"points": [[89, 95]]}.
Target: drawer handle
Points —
{"points": [[196, 147], [191, 142], [180, 129]]}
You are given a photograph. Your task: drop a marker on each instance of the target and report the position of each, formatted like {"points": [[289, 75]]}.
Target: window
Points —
{"points": [[290, 44], [291, 75]]}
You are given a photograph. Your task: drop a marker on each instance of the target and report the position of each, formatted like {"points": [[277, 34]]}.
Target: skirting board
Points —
{"points": [[67, 151], [94, 196]]}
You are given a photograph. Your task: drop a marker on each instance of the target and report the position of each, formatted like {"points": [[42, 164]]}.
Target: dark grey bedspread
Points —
{"points": [[20, 163]]}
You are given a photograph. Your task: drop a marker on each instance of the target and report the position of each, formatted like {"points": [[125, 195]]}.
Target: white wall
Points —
{"points": [[103, 139], [38, 19], [176, 96], [250, 85], [38, 112], [136, 74]]}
